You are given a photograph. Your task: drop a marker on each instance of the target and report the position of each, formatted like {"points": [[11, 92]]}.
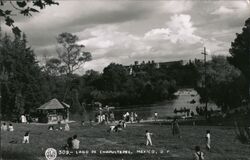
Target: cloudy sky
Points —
{"points": [[123, 31]]}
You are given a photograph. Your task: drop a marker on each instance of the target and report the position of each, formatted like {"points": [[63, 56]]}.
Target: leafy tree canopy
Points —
{"points": [[22, 7]]}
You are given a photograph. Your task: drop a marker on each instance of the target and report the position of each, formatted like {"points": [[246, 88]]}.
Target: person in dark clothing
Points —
{"points": [[198, 155], [175, 128], [69, 144]]}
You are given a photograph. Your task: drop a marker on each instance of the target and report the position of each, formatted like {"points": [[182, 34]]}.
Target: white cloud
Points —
{"points": [[175, 6], [178, 29], [108, 41], [223, 10], [159, 33]]}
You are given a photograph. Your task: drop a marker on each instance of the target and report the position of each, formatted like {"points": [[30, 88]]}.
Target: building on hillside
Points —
{"points": [[53, 112], [137, 67]]}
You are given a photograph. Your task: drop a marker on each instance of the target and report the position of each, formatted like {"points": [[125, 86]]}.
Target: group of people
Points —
{"points": [[198, 155], [25, 118], [5, 127], [66, 127], [202, 111], [118, 127], [187, 112], [105, 117], [132, 117]]}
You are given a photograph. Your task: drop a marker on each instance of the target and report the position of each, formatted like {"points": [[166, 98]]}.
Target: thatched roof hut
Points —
{"points": [[54, 111]]}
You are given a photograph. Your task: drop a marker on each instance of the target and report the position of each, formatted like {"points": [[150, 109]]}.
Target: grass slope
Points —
{"points": [[224, 144]]}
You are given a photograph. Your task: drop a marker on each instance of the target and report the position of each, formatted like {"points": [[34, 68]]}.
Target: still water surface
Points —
{"points": [[166, 108]]}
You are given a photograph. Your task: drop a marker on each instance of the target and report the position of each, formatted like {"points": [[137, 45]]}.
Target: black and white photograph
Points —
{"points": [[125, 79]]}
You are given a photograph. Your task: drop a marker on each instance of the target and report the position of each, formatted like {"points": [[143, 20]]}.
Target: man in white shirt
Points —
{"points": [[148, 138], [23, 119], [75, 142], [156, 116], [208, 139]]}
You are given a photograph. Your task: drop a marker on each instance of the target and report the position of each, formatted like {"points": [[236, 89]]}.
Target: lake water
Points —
{"points": [[166, 108]]}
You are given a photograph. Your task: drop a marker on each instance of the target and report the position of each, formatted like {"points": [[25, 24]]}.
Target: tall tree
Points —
{"points": [[240, 52], [71, 57], [70, 53], [21, 92], [114, 76], [224, 86]]}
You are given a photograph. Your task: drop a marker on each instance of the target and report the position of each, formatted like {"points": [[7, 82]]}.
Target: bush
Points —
{"points": [[242, 132]]}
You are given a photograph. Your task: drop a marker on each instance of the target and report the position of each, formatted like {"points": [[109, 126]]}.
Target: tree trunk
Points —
{"points": [[0, 101], [249, 92]]}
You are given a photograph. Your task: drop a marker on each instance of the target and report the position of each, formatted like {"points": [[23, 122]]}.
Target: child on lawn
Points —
{"points": [[11, 128], [4, 127], [26, 138]]}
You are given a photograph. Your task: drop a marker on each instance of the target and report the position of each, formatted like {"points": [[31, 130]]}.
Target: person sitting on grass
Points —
{"points": [[75, 142], [148, 138], [11, 128], [26, 137], [115, 128], [51, 128], [66, 128], [69, 144], [4, 127], [111, 128], [198, 155], [208, 140]]}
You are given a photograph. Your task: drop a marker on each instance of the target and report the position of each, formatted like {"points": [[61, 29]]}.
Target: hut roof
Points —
{"points": [[53, 104]]}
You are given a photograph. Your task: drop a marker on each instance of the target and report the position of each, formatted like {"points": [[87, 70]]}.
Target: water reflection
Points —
{"points": [[166, 108]]}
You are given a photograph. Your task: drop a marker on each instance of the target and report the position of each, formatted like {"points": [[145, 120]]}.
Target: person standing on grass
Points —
{"points": [[198, 155], [23, 119], [4, 127], [112, 117], [26, 137], [66, 128], [175, 128], [208, 140], [156, 116], [131, 117], [136, 116], [75, 142], [148, 138]]}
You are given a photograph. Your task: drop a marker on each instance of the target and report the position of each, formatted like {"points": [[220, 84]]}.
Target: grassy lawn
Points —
{"points": [[224, 144]]}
